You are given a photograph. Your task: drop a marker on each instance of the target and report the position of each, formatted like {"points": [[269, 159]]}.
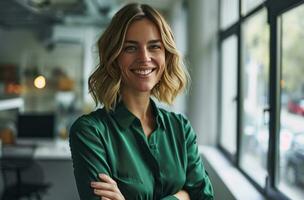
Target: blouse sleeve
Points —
{"points": [[88, 155], [198, 184]]}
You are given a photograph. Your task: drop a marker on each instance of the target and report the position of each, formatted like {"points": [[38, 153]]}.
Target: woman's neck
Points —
{"points": [[139, 105]]}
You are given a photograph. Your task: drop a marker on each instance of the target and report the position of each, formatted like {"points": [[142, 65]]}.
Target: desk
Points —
{"points": [[58, 150]]}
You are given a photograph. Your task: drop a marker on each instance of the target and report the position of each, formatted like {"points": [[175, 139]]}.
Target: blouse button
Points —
{"points": [[152, 146]]}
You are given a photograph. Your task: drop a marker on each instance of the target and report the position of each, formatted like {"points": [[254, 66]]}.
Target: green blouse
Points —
{"points": [[144, 168]]}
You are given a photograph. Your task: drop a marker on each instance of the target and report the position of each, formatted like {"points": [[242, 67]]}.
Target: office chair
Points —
{"points": [[15, 187]]}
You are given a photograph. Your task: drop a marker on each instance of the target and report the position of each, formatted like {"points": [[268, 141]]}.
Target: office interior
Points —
{"points": [[245, 102]]}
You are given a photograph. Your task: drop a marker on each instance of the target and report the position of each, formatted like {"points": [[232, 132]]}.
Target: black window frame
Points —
{"points": [[275, 8]]}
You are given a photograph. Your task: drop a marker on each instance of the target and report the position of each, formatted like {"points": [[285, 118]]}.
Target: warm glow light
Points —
{"points": [[40, 82]]}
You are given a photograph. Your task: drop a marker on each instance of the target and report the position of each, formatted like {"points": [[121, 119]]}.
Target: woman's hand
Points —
{"points": [[107, 189], [182, 195]]}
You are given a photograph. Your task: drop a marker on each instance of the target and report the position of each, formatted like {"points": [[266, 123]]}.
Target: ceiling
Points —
{"points": [[42, 13]]}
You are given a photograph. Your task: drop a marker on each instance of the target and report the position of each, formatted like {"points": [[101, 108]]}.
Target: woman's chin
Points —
{"points": [[144, 88]]}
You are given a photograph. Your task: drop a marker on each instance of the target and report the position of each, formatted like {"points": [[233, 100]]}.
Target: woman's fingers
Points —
{"points": [[104, 186], [183, 195], [107, 189], [106, 179], [107, 184], [108, 194]]}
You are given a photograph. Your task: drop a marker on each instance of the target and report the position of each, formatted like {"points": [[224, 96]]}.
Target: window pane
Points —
{"points": [[229, 93], [254, 142], [248, 5], [292, 105], [229, 13]]}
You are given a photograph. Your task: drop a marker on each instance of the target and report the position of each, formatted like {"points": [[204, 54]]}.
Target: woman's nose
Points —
{"points": [[144, 55]]}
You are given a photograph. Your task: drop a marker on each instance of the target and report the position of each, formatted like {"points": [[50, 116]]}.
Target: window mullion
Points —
{"points": [[274, 92]]}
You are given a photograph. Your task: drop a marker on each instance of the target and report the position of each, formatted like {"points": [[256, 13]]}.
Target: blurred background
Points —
{"points": [[246, 100]]}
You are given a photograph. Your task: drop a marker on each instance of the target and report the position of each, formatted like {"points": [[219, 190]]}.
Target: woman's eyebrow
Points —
{"points": [[131, 41], [155, 41], [151, 41]]}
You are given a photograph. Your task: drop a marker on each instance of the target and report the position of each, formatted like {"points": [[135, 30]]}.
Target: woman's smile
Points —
{"points": [[143, 72]]}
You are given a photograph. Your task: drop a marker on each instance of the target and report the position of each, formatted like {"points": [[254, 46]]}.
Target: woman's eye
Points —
{"points": [[155, 46], [130, 48]]}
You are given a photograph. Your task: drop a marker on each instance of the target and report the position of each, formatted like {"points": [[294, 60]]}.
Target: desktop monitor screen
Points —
{"points": [[36, 125]]}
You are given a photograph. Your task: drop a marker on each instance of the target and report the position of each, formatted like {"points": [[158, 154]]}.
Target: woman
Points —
{"points": [[131, 149]]}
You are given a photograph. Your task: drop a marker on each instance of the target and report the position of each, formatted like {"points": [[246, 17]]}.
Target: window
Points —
{"points": [[229, 14], [249, 5], [291, 164], [262, 93], [255, 76], [229, 93]]}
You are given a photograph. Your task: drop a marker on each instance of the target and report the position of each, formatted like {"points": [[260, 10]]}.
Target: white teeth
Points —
{"points": [[143, 71]]}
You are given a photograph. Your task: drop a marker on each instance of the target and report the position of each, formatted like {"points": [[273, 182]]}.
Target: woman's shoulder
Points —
{"points": [[93, 119], [177, 123], [171, 115]]}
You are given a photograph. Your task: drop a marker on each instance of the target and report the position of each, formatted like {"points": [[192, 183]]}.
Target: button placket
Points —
{"points": [[150, 146]]}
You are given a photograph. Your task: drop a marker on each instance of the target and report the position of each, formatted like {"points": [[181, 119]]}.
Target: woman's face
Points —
{"points": [[142, 59]]}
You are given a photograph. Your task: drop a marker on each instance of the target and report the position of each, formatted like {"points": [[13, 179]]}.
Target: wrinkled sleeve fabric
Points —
{"points": [[198, 184], [88, 155]]}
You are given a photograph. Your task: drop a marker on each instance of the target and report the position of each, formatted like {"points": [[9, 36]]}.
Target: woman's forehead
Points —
{"points": [[143, 29]]}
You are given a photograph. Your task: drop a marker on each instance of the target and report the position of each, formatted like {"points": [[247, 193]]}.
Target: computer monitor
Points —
{"points": [[36, 126]]}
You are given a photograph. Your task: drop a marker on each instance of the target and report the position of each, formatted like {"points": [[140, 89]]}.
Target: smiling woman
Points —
{"points": [[106, 80], [131, 149]]}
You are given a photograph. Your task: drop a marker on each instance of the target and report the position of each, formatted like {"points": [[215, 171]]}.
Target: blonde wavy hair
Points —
{"points": [[105, 81]]}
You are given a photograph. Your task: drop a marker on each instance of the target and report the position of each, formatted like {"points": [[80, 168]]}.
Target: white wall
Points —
{"points": [[202, 59], [178, 22]]}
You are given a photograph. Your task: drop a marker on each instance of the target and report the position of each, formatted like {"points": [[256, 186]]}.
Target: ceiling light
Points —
{"points": [[40, 82]]}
